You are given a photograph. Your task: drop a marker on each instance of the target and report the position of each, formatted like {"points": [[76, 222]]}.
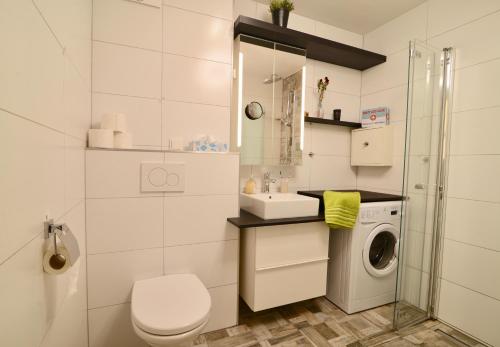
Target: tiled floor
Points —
{"points": [[319, 323]]}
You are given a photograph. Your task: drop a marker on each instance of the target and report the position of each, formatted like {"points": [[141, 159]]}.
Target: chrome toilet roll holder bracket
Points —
{"points": [[51, 229]]}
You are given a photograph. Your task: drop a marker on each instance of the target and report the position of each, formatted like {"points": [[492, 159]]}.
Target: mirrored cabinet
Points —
{"points": [[268, 102]]}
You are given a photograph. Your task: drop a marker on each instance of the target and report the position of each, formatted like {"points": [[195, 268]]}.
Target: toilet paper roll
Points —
{"points": [[46, 261], [114, 121], [122, 140], [101, 138]]}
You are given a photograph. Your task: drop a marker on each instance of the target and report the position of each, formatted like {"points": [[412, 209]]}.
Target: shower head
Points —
{"points": [[272, 79]]}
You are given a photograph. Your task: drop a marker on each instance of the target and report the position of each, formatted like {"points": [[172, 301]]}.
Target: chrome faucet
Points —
{"points": [[267, 181]]}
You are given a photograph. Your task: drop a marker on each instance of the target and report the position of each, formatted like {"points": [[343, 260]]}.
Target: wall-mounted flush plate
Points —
{"points": [[162, 177]]}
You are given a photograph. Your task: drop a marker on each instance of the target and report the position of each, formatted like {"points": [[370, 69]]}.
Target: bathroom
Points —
{"points": [[169, 182]]}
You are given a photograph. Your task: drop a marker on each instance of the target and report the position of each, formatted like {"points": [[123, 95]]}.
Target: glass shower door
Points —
{"points": [[419, 188]]}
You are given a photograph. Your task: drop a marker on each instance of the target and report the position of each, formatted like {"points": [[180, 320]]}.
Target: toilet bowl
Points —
{"points": [[170, 310]]}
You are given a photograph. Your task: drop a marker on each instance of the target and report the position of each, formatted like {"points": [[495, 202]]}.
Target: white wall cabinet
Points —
{"points": [[283, 264], [372, 146]]}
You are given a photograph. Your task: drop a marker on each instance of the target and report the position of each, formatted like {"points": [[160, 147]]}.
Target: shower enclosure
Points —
{"points": [[425, 164]]}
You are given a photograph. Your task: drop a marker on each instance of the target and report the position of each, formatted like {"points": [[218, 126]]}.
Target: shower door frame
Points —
{"points": [[445, 94]]}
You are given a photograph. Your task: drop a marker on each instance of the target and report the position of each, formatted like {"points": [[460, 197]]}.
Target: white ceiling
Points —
{"points": [[359, 16]]}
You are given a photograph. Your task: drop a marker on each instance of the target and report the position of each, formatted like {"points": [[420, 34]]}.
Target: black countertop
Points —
{"points": [[248, 220], [366, 196]]}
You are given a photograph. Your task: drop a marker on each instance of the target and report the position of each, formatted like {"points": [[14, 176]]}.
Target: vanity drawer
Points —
{"points": [[291, 244], [284, 285]]}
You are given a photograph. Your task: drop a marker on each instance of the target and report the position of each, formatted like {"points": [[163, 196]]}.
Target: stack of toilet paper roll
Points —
{"points": [[112, 133]]}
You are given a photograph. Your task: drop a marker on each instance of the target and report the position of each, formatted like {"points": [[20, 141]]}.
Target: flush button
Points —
{"points": [[162, 177], [158, 177]]}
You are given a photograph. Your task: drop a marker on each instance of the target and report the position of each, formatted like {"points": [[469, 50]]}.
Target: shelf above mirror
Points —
{"points": [[317, 48]]}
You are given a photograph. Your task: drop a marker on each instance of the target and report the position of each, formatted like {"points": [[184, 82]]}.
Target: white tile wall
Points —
{"points": [[215, 8], [205, 37], [126, 70], [44, 114], [144, 116], [134, 235], [111, 276], [197, 81], [128, 23], [124, 224]]}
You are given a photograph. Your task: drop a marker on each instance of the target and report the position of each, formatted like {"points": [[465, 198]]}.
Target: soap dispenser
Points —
{"points": [[283, 183], [250, 185]]}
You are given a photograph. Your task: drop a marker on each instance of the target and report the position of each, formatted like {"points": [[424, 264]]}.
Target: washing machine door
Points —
{"points": [[380, 250]]}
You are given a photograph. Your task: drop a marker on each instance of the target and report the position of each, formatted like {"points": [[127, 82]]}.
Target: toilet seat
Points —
{"points": [[170, 305]]}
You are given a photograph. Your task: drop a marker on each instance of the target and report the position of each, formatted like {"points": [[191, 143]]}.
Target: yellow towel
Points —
{"points": [[341, 208]]}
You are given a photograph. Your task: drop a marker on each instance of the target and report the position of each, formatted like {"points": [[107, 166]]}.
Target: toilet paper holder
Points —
{"points": [[68, 239]]}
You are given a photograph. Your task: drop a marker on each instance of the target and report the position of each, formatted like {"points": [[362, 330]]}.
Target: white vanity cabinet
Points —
{"points": [[283, 264]]}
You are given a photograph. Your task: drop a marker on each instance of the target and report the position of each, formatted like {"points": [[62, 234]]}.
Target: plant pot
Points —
{"points": [[280, 17]]}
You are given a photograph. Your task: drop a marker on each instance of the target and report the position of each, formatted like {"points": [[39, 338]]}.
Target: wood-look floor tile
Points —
{"points": [[319, 323]]}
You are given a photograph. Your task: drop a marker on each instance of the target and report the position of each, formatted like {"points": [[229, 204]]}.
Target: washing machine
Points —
{"points": [[362, 269]]}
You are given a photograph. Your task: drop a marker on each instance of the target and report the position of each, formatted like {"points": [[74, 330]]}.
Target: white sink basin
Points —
{"points": [[279, 205]]}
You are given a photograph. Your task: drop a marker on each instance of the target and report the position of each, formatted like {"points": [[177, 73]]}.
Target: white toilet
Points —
{"points": [[170, 310]]}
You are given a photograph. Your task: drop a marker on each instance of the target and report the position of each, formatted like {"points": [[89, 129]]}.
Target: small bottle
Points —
{"points": [[250, 186]]}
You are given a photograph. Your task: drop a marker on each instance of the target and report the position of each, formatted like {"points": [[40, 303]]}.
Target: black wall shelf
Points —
{"points": [[317, 48], [333, 122]]}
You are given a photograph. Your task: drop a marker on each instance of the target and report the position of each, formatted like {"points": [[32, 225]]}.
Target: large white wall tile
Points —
{"points": [[23, 279], [113, 174], [32, 69], [188, 121], [215, 263], [478, 139], [329, 140], [392, 73], [216, 8], [464, 264], [477, 86], [244, 8], [195, 80], [112, 327], [474, 177], [462, 218], [74, 167], [394, 35], [124, 224], [208, 174], [224, 311], [127, 22], [470, 50], [126, 70], [111, 276], [476, 314], [205, 37], [76, 103], [339, 35], [210, 223], [143, 116], [332, 172], [71, 23], [32, 180], [448, 14]]}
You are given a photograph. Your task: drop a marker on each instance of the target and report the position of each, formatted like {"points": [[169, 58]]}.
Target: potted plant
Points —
{"points": [[280, 10]]}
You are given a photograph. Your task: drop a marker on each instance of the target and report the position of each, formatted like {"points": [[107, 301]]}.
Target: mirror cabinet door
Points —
{"points": [[271, 102]]}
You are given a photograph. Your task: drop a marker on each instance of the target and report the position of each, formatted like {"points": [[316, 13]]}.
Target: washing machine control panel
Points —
{"points": [[378, 213]]}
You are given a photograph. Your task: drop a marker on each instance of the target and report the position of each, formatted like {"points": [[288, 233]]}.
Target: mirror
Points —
{"points": [[271, 89]]}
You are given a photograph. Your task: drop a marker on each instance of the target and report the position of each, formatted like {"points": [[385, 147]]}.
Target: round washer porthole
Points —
{"points": [[381, 250]]}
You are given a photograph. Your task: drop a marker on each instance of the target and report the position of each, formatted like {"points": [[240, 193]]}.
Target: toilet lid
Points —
{"points": [[170, 305]]}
